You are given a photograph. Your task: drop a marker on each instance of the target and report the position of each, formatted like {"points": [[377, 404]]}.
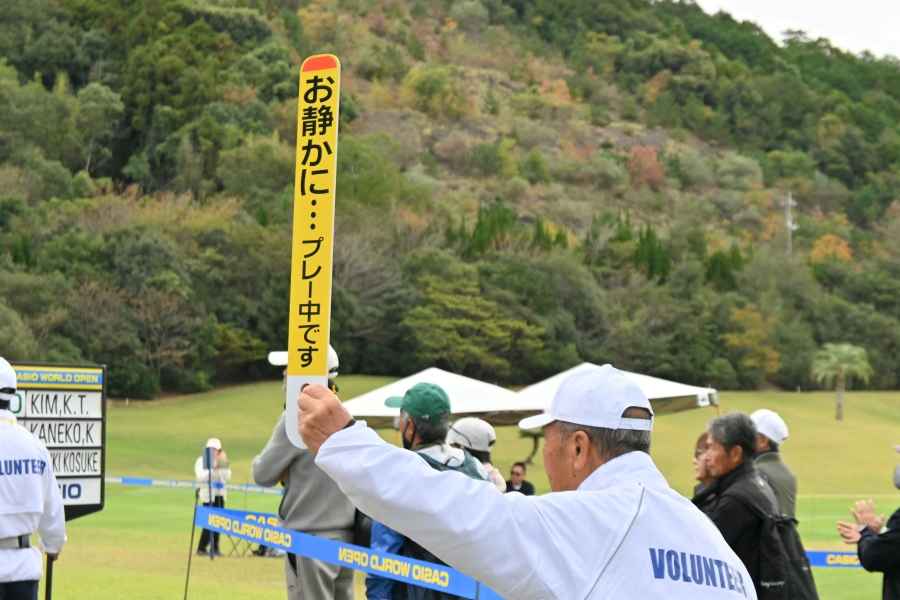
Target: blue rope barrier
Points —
{"points": [[247, 488], [257, 528]]}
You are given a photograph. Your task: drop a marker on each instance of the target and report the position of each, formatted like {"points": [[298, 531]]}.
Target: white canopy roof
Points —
{"points": [[665, 396], [500, 406], [468, 397]]}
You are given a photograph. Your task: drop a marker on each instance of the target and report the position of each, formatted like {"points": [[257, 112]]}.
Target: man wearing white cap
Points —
{"points": [[612, 529], [772, 433], [221, 473], [30, 500]]}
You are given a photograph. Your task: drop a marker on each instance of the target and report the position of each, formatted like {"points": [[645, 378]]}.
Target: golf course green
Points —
{"points": [[138, 546]]}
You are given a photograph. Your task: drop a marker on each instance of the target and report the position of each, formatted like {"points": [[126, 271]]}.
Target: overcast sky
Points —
{"points": [[853, 25]]}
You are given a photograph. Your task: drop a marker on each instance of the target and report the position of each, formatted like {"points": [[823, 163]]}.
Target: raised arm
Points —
{"points": [[494, 538]]}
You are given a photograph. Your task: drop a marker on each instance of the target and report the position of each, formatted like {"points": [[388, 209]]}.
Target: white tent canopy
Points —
{"points": [[468, 397], [665, 396], [500, 406]]}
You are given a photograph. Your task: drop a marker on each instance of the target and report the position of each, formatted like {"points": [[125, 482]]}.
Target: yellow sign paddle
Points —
{"points": [[313, 236]]}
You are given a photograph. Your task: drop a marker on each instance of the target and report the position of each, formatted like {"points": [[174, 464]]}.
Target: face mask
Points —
{"points": [[407, 443], [897, 477]]}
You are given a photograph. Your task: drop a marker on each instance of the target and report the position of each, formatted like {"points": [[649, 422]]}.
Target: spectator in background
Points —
{"points": [[772, 433], [747, 513], [221, 473], [878, 548], [477, 437], [312, 504], [704, 492], [424, 425], [517, 481]]}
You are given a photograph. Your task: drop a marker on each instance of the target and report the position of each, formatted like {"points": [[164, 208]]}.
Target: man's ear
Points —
{"points": [[736, 454], [580, 445]]}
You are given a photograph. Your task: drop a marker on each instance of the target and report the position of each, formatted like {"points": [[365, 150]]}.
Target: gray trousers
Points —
{"points": [[317, 580]]}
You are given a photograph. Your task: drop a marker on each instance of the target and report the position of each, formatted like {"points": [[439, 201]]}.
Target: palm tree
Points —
{"points": [[837, 363]]}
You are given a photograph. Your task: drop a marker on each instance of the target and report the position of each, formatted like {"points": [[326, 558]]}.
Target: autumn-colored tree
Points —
{"points": [[645, 169], [755, 358], [830, 246]]}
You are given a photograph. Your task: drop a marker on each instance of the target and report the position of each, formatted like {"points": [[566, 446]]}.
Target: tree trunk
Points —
{"points": [[839, 391], [536, 440]]}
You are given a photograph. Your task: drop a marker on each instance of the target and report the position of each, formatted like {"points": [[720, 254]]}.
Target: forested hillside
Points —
{"points": [[523, 185]]}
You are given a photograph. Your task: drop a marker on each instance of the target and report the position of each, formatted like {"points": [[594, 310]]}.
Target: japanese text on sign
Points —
{"points": [[314, 216], [313, 237]]}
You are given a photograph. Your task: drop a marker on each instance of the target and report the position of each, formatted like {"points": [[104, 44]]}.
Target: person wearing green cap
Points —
{"points": [[424, 424]]}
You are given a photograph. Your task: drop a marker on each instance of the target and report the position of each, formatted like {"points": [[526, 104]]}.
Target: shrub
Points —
{"points": [[608, 173], [453, 149], [737, 172], [471, 16], [437, 91], [645, 169], [534, 168], [532, 133]]}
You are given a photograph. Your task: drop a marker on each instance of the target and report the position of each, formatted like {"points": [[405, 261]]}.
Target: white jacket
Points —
{"points": [[624, 534], [220, 474], [30, 501]]}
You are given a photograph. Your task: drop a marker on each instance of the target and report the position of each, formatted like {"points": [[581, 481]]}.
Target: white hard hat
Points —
{"points": [[214, 443], [280, 359], [473, 434], [595, 397], [770, 425], [7, 379]]}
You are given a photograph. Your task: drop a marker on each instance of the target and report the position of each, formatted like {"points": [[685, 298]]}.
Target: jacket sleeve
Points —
{"points": [[457, 518], [52, 525], [881, 552], [384, 539], [278, 454]]}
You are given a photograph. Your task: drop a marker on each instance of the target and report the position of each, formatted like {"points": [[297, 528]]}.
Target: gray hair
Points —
{"points": [[735, 429], [611, 443], [428, 432]]}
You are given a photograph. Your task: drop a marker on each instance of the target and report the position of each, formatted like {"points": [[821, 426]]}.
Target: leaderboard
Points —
{"points": [[64, 407]]}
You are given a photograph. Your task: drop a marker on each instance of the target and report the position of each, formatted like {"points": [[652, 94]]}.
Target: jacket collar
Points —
{"points": [[6, 415], [745, 471], [772, 454], [634, 468]]}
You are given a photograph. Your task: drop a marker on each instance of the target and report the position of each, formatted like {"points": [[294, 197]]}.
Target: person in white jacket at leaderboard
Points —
{"points": [[30, 500], [612, 528]]}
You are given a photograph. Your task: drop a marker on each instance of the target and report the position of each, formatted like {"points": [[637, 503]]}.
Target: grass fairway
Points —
{"points": [[137, 547]]}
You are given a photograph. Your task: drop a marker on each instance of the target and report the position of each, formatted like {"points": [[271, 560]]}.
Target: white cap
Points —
{"points": [[770, 425], [7, 379], [214, 443], [473, 434], [597, 398], [333, 363], [280, 359]]}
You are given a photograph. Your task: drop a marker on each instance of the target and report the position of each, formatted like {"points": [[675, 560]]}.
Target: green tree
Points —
{"points": [[99, 112], [458, 328], [835, 364]]}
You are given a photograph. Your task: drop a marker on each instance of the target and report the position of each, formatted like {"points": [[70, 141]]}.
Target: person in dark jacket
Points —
{"points": [[517, 481], [878, 547], [704, 492], [732, 447]]}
